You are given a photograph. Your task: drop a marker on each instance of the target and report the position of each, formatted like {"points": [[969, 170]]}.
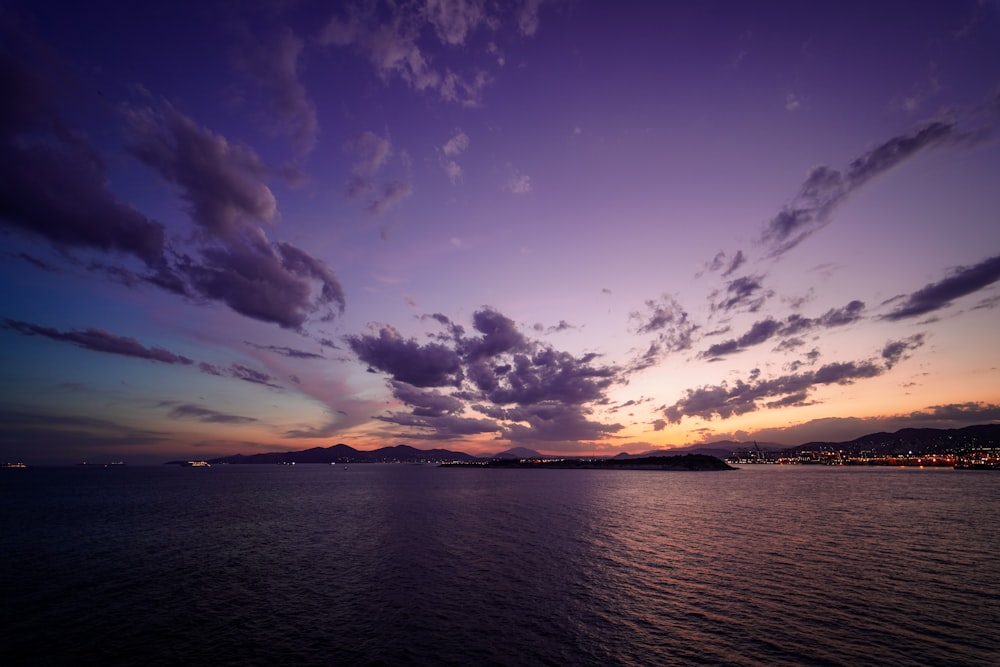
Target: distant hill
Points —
{"points": [[519, 453], [916, 440], [341, 453], [718, 448]]}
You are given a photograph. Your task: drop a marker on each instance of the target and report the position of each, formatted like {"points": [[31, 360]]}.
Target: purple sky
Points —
{"points": [[577, 227]]}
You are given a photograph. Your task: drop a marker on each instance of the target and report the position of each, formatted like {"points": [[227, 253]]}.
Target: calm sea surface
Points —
{"points": [[409, 564]]}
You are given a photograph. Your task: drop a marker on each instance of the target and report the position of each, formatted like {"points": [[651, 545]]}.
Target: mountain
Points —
{"points": [[719, 448], [341, 453], [916, 440], [519, 453]]}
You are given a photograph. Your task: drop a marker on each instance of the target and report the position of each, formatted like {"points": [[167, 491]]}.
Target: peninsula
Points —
{"points": [[687, 462]]}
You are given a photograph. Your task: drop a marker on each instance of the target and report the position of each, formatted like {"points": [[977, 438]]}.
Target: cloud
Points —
{"points": [[222, 182], [405, 360], [527, 17], [247, 374], [286, 351], [725, 400], [40, 156], [391, 39], [189, 411], [763, 330], [371, 152], [527, 390], [239, 372], [456, 144], [273, 67], [518, 183], [743, 293], [963, 280], [792, 102], [393, 193], [671, 325], [453, 20], [268, 282], [451, 149], [972, 412], [895, 351], [99, 340], [825, 188]]}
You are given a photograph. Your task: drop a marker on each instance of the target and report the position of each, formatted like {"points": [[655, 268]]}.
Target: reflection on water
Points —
{"points": [[408, 564]]}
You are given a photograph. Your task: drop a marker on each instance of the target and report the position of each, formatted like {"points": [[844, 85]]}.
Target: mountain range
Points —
{"points": [[915, 440]]}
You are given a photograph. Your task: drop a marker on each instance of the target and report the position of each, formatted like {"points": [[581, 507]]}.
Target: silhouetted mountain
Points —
{"points": [[341, 453], [718, 448], [916, 440], [519, 453]]}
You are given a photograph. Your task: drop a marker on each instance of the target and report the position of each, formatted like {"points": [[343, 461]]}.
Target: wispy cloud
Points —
{"points": [[272, 65], [963, 281], [826, 188], [99, 340], [206, 415], [727, 400], [794, 325]]}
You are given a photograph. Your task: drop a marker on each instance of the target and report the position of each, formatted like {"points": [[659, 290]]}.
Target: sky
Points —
{"points": [[578, 227]]}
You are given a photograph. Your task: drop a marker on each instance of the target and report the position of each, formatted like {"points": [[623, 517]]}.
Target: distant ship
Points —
{"points": [[101, 465], [17, 464], [196, 464]]}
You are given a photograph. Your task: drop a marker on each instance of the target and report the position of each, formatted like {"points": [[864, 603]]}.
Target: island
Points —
{"points": [[683, 462]]}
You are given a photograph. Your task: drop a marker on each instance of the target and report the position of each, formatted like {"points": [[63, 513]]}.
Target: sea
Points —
{"points": [[405, 564]]}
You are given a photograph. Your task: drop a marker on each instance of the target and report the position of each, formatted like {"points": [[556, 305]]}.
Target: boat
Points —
{"points": [[196, 464]]}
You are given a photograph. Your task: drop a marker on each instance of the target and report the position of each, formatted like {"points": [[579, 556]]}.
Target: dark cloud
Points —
{"points": [[671, 325], [273, 67], [405, 360], [189, 411], [556, 328], [528, 390], [793, 325], [247, 374], [239, 372], [825, 188], [758, 333], [99, 340], [500, 335], [286, 351], [895, 351], [836, 317], [554, 423], [962, 281], [52, 181], [442, 426], [223, 182], [271, 283], [738, 260], [725, 400], [743, 293], [425, 402], [970, 413], [210, 369]]}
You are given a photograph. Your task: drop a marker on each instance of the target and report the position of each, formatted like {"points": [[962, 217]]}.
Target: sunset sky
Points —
{"points": [[578, 227]]}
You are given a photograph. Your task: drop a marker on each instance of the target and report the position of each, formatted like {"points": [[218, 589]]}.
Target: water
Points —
{"points": [[405, 564]]}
